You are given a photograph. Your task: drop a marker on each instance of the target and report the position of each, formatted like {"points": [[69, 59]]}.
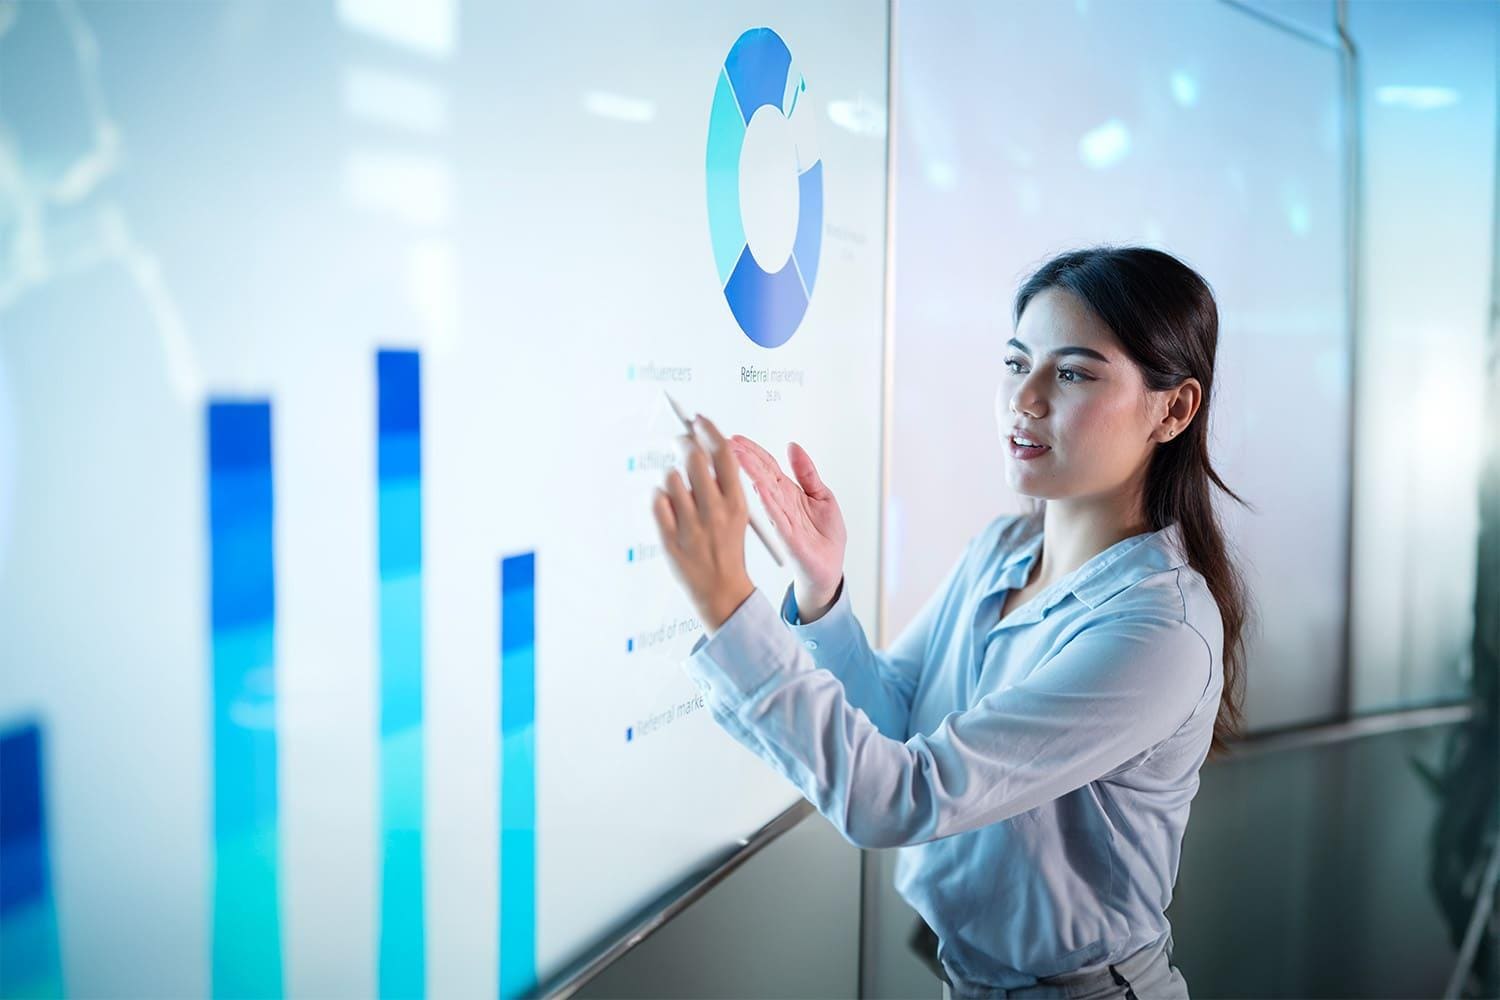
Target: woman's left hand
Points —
{"points": [[703, 528]]}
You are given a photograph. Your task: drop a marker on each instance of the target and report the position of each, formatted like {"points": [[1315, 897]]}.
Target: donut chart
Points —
{"points": [[759, 72]]}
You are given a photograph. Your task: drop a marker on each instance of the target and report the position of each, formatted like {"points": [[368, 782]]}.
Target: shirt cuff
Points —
{"points": [[748, 650], [836, 631]]}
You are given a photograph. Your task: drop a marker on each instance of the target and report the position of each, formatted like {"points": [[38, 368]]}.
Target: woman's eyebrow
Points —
{"points": [[1086, 352]]}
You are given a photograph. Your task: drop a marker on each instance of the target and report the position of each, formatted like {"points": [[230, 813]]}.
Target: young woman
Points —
{"points": [[1032, 739]]}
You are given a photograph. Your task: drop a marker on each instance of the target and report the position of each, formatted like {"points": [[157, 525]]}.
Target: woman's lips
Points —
{"points": [[1025, 453]]}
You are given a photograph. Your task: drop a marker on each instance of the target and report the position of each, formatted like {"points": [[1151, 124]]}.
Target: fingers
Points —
{"points": [[806, 473], [761, 477], [666, 518], [681, 501], [713, 479], [781, 495], [772, 486], [757, 461], [695, 460], [726, 466], [777, 513], [764, 475]]}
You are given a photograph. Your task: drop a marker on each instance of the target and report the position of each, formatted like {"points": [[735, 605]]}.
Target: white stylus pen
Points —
{"points": [[760, 532]]}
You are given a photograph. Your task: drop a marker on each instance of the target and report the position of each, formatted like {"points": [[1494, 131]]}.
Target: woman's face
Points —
{"points": [[1092, 409]]}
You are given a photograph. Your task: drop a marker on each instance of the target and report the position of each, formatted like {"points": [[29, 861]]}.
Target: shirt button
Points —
{"points": [[811, 643]]}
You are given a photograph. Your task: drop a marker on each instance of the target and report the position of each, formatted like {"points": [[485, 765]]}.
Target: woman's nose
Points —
{"points": [[1025, 400], [1014, 400]]}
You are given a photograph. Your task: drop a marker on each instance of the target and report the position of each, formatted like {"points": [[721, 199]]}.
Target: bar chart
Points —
{"points": [[247, 953]]}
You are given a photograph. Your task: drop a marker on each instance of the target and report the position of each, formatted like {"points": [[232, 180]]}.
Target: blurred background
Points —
{"points": [[1330, 166]]}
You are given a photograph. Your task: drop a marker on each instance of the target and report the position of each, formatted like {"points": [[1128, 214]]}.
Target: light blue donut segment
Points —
{"points": [[726, 137], [809, 224]]}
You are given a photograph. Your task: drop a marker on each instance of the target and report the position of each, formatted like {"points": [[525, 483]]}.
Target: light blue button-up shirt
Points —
{"points": [[1035, 773]]}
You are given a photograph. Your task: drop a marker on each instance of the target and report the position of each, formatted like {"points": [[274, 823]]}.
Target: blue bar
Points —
{"points": [[30, 957], [23, 846], [241, 586], [517, 775], [239, 435], [246, 935], [403, 963], [399, 374], [400, 458]]}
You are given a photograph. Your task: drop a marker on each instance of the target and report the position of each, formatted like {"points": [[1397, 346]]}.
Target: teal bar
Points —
{"points": [[402, 970], [30, 966], [246, 958]]}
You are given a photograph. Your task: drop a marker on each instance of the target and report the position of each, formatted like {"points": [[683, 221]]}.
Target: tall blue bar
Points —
{"points": [[246, 934], [30, 959], [517, 775], [402, 971]]}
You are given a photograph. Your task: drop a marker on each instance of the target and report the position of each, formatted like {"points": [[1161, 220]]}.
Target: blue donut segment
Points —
{"points": [[809, 224], [767, 306], [726, 137], [757, 66]]}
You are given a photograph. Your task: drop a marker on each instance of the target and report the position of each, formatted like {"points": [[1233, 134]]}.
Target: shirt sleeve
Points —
{"points": [[1115, 689], [881, 683]]}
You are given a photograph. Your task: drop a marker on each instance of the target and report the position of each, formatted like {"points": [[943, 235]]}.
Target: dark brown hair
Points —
{"points": [[1164, 314]]}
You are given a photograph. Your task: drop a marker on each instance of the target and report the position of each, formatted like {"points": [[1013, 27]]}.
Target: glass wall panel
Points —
{"points": [[1024, 129], [1427, 214]]}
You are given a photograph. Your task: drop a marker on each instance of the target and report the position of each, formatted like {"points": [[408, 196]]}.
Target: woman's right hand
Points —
{"points": [[807, 518]]}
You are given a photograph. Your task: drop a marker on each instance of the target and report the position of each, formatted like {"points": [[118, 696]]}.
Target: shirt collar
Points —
{"points": [[1107, 572]]}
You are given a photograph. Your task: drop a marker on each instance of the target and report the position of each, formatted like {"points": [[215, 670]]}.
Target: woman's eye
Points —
{"points": [[1013, 365]]}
